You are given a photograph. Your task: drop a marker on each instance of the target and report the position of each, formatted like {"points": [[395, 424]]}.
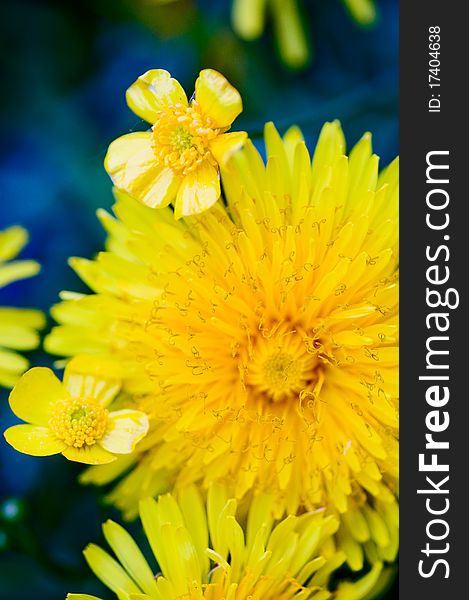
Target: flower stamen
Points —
{"points": [[79, 421], [181, 137]]}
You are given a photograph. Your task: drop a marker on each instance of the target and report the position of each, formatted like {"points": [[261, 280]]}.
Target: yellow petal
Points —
{"points": [[130, 556], [87, 377], [8, 378], [89, 455], [102, 367], [363, 11], [248, 18], [217, 98], [131, 162], [161, 190], [109, 570], [35, 394], [195, 517], [225, 145], [88, 386], [154, 91], [33, 440], [13, 363], [290, 33], [199, 191], [17, 336], [106, 473], [12, 240], [27, 317], [330, 146], [19, 269], [125, 429]]}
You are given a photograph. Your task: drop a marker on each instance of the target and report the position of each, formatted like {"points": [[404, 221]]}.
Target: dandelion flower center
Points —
{"points": [[79, 421], [280, 369], [181, 137]]}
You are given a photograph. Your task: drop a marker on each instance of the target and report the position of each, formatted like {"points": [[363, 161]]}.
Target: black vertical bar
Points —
{"points": [[434, 119]]}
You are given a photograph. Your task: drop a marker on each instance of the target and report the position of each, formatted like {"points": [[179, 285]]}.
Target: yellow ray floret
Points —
{"points": [[261, 337], [72, 417], [204, 553], [18, 326], [178, 159]]}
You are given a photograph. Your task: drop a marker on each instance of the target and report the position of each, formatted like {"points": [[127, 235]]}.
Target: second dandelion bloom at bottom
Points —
{"points": [[204, 553]]}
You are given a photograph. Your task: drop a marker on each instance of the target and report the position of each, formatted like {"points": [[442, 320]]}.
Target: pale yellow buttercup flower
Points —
{"points": [[72, 418], [178, 160]]}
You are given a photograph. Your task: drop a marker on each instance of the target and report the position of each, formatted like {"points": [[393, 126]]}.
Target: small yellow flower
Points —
{"points": [[18, 326], [72, 417], [205, 553], [178, 159]]}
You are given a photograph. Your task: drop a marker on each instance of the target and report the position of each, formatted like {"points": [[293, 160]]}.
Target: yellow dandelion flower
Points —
{"points": [[204, 553], [260, 336], [178, 159], [18, 326], [72, 417]]}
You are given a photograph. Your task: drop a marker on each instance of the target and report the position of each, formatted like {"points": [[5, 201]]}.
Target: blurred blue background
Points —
{"points": [[65, 69]]}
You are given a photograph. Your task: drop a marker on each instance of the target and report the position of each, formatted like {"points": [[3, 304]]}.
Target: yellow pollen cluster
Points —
{"points": [[79, 422], [181, 138]]}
